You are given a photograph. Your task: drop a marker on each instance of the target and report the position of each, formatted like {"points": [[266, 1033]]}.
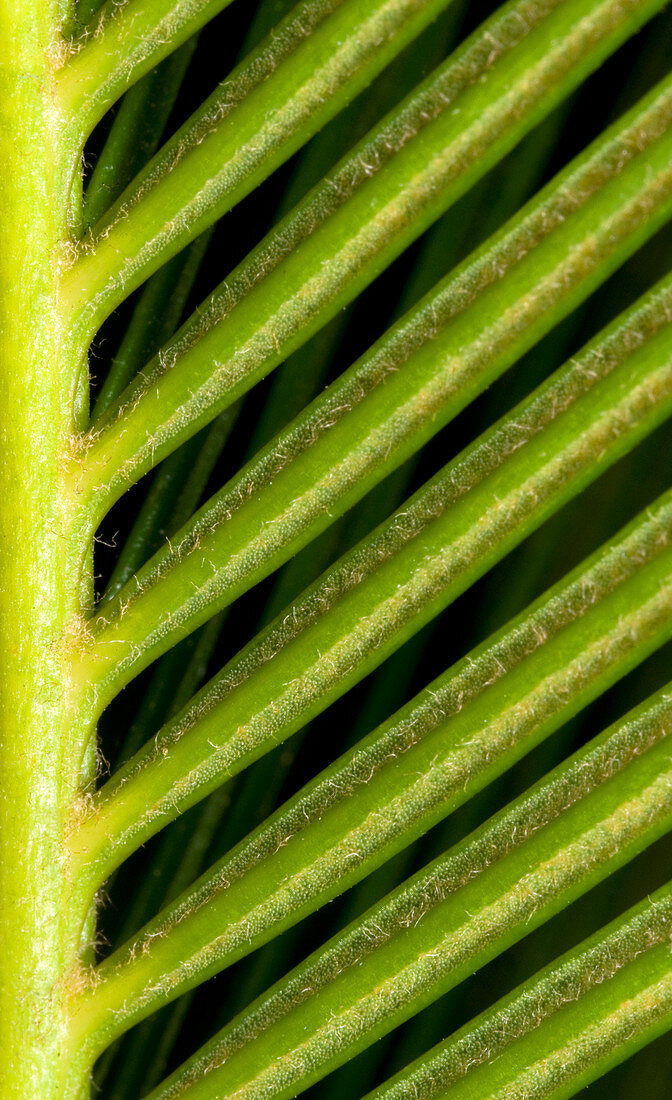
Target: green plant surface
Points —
{"points": [[324, 52], [440, 926], [135, 133], [427, 760], [116, 45], [565, 1027], [375, 202], [335, 548], [382, 592], [42, 737], [405, 389]]}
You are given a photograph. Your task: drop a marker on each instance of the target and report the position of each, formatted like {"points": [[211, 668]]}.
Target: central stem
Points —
{"points": [[41, 735]]}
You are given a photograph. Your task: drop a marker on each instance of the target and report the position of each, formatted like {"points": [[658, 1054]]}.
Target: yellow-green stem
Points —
{"points": [[42, 735]]}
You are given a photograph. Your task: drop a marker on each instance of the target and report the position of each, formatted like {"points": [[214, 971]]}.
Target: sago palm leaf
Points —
{"points": [[336, 548]]}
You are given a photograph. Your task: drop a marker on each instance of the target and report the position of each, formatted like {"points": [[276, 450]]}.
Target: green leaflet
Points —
{"points": [[176, 490], [383, 591], [588, 817], [430, 365], [119, 44], [371, 206], [155, 318], [106, 273], [135, 133], [133, 137], [406, 776], [571, 1023], [159, 310], [310, 66]]}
